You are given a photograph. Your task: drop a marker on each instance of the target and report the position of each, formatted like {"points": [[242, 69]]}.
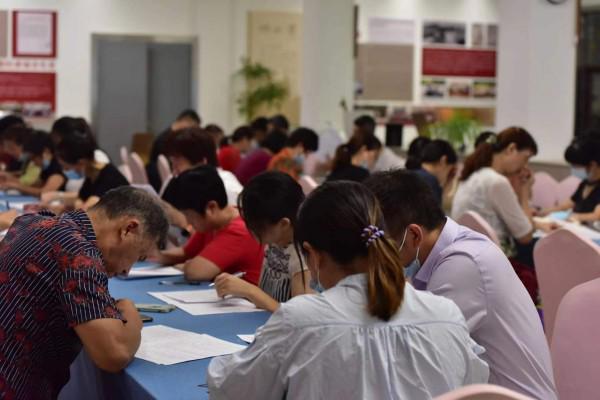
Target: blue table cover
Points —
{"points": [[143, 379]]}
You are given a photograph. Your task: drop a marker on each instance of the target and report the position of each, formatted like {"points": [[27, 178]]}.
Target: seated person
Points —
{"points": [[39, 149], [584, 155], [438, 167], [13, 139], [415, 150], [301, 143], [221, 242], [232, 150], [268, 204], [191, 147], [76, 153], [59, 267], [485, 188], [278, 122], [385, 158], [450, 260], [216, 132], [260, 127], [186, 119], [483, 137], [257, 161], [353, 160], [7, 162], [368, 335], [66, 126]]}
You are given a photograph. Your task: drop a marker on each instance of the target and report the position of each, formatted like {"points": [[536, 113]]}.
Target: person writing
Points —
{"points": [[54, 284], [398, 342]]}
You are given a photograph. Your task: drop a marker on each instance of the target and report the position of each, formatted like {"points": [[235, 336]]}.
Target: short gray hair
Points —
{"points": [[131, 201]]}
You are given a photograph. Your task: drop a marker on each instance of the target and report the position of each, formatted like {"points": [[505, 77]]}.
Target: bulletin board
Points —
{"points": [[385, 72], [275, 40]]}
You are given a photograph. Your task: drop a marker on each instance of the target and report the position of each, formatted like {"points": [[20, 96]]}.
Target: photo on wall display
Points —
{"points": [[492, 36], [478, 35], [433, 88], [484, 89], [459, 89], [444, 33], [484, 36]]}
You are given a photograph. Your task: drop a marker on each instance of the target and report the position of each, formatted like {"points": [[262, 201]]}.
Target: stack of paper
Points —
{"points": [[167, 346], [247, 338], [154, 271], [204, 302]]}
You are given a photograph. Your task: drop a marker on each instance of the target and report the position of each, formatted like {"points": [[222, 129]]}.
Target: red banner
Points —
{"points": [[33, 90], [459, 62]]}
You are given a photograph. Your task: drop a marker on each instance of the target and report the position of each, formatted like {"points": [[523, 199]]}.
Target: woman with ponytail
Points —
{"points": [[368, 335], [496, 183], [354, 159]]}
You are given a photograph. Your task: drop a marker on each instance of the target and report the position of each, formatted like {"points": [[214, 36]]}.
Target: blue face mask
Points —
{"points": [[299, 159], [45, 164], [580, 173], [411, 269], [316, 286], [23, 157], [73, 175]]}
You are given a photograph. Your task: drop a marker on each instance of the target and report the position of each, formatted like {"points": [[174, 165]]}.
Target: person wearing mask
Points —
{"points": [[39, 149], [438, 167], [353, 160], [221, 242], [399, 342], [13, 140], [301, 143], [186, 119], [7, 162], [584, 156], [385, 158], [453, 261], [269, 204], [55, 272], [234, 148], [258, 160], [415, 149], [486, 189]]}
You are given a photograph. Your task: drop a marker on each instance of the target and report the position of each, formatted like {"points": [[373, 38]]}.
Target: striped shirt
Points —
{"points": [[279, 267], [52, 278]]}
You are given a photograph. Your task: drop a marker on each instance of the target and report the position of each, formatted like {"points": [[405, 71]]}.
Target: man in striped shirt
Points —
{"points": [[54, 290]]}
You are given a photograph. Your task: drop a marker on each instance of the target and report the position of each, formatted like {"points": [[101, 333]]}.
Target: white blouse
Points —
{"points": [[328, 346]]}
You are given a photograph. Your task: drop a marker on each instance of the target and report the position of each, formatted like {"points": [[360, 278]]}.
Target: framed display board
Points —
{"points": [[34, 33]]}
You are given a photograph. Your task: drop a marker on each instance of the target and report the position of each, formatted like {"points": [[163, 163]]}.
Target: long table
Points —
{"points": [[146, 380]]}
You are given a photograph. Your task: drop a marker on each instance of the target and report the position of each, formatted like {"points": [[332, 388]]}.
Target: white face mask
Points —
{"points": [[580, 173], [411, 269]]}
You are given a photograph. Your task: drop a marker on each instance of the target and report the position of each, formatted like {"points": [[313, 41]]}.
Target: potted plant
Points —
{"points": [[459, 130]]}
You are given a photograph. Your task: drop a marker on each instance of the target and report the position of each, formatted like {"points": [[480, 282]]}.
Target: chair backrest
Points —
{"points": [[474, 221], [141, 143], [138, 171], [567, 187], [308, 184], [544, 190], [124, 155], [164, 168], [563, 259], [575, 350], [483, 392], [126, 171]]}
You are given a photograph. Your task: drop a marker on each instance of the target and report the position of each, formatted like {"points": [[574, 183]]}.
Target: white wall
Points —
{"points": [[536, 72]]}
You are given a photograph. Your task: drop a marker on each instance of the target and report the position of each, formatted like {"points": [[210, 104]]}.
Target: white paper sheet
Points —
{"points": [[572, 226], [167, 346], [154, 272], [247, 338], [233, 305], [195, 296]]}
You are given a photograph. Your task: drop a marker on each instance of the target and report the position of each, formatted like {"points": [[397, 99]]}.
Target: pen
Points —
{"points": [[178, 283], [237, 274]]}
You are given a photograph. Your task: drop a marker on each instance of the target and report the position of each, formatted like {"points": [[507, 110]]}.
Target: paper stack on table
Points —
{"points": [[204, 302], [247, 338], [154, 271], [167, 346]]}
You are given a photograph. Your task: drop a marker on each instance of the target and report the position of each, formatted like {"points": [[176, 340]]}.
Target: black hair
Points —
{"points": [[366, 124], [405, 199], [268, 198], [37, 142], [583, 150], [9, 121], [194, 144], [131, 201], [415, 150], [436, 149], [195, 188], [67, 126], [215, 130], [345, 152], [274, 141], [483, 137], [241, 133], [17, 133], [279, 121], [189, 114], [259, 124], [76, 146], [334, 219], [306, 137]]}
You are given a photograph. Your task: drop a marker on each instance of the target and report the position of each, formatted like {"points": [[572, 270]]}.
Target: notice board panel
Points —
{"points": [[459, 62], [385, 72], [35, 92]]}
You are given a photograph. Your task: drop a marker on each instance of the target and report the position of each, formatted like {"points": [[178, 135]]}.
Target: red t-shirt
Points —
{"points": [[232, 249], [229, 158]]}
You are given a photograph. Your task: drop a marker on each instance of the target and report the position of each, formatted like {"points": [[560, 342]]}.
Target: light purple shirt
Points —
{"points": [[468, 268]]}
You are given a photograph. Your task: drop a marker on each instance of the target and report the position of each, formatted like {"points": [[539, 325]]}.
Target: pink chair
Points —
{"points": [[544, 190], [126, 171], [308, 184], [483, 392], [563, 260], [474, 221], [575, 350], [124, 155], [138, 171], [164, 168], [567, 187]]}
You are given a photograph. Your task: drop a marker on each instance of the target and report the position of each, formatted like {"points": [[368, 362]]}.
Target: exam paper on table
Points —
{"points": [[153, 271], [232, 305], [247, 338], [167, 346], [572, 226], [195, 296]]}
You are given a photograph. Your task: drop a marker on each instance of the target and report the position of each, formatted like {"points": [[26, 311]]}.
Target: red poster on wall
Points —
{"points": [[459, 62], [34, 93]]}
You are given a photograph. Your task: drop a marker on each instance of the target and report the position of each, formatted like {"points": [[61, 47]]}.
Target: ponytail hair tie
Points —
{"points": [[371, 233]]}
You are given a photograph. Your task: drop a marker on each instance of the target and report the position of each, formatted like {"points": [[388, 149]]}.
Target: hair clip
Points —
{"points": [[371, 233]]}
